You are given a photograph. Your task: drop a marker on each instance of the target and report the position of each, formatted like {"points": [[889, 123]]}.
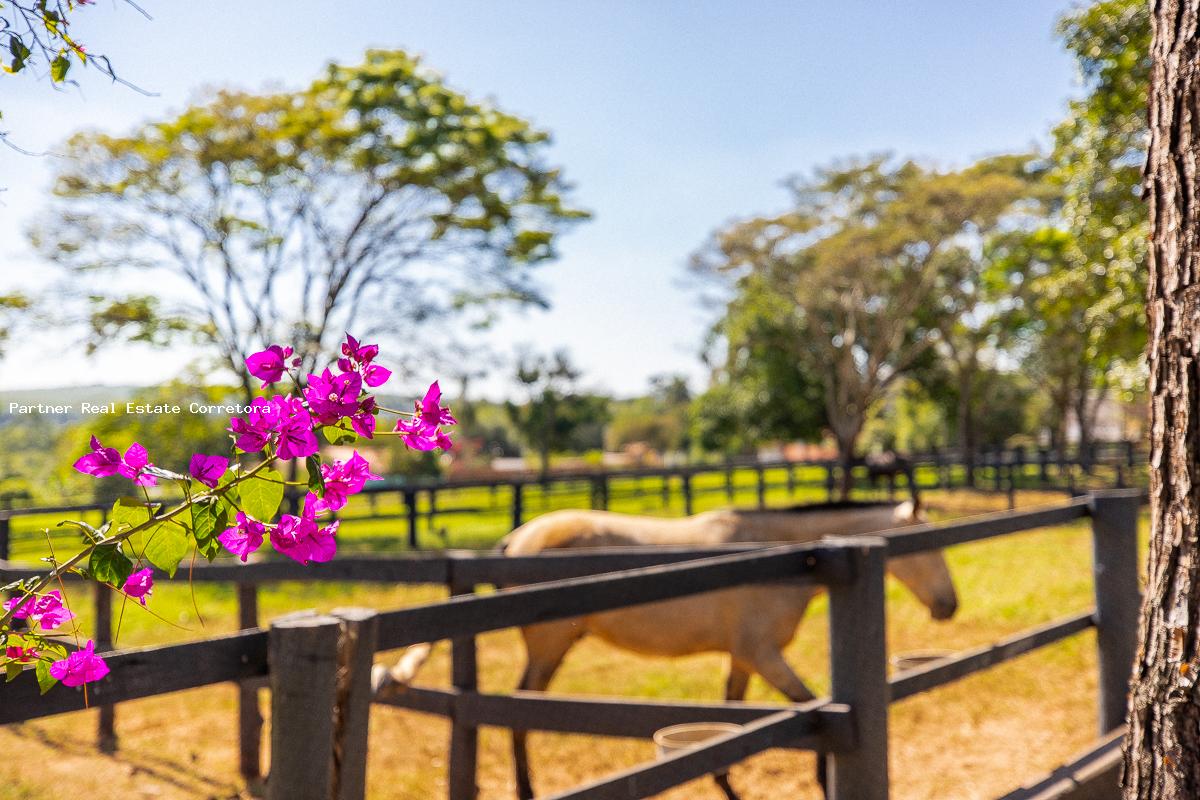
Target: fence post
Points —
{"points": [[762, 487], [791, 479], [410, 507], [1115, 567], [600, 492], [858, 672], [249, 716], [518, 505], [106, 729], [830, 483], [729, 483], [1043, 466], [352, 713], [464, 738], [5, 537], [302, 652], [686, 481]]}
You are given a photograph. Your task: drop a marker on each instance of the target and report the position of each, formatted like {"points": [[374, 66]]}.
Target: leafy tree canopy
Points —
{"points": [[374, 198]]}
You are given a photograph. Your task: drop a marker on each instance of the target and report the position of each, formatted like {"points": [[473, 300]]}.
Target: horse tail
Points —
{"points": [[405, 670]]}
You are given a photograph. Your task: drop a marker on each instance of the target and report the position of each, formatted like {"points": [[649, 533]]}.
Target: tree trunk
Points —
{"points": [[1162, 749], [966, 426], [846, 443]]}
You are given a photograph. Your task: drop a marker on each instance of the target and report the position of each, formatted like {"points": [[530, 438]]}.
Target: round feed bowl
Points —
{"points": [[690, 734]]}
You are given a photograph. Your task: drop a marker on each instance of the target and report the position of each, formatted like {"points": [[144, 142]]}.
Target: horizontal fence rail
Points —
{"points": [[939, 673], [554, 600], [604, 716], [145, 672]]}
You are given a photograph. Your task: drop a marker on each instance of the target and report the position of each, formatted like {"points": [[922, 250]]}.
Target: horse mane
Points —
{"points": [[830, 505]]}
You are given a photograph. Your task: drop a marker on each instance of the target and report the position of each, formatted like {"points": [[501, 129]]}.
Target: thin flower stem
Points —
{"points": [[66, 566]]}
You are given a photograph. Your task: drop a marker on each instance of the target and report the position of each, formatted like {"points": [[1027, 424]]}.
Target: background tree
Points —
{"points": [[555, 410], [759, 391], [13, 307], [855, 266], [1162, 758], [1084, 280], [659, 420], [374, 199]]}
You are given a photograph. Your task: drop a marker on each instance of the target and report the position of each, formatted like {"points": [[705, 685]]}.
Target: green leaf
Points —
{"points": [[109, 565], [11, 670], [208, 520], [335, 435], [59, 68], [90, 533], [166, 546], [316, 481], [45, 680], [261, 495], [128, 513]]}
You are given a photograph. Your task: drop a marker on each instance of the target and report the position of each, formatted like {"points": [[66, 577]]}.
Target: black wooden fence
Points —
{"points": [[318, 666]]}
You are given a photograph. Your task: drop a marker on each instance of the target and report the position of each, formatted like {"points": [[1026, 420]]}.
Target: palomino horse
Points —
{"points": [[752, 623]]}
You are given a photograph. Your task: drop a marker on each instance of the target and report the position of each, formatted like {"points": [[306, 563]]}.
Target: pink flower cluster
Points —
{"points": [[48, 612], [82, 666], [284, 426], [423, 431], [105, 461], [282, 421], [302, 538], [45, 611]]}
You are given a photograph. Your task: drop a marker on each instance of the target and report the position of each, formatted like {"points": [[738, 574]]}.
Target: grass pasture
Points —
{"points": [[974, 739]]}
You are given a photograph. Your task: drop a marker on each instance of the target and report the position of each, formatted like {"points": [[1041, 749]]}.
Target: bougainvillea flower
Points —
{"points": [[332, 397], [136, 459], [301, 539], [270, 364], [208, 469], [375, 375], [82, 666], [295, 426], [415, 435], [243, 538], [22, 655], [139, 585], [254, 431], [430, 412], [358, 357], [101, 462], [342, 479], [46, 611], [364, 421], [356, 354]]}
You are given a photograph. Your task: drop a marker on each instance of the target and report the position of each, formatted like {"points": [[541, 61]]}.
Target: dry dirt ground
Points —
{"points": [[977, 738]]}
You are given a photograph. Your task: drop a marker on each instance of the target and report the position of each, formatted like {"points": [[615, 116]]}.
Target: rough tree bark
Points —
{"points": [[1162, 754]]}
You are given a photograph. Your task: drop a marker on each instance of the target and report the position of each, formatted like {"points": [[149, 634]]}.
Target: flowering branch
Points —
{"points": [[232, 513]]}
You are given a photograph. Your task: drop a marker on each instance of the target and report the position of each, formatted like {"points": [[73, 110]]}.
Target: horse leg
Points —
{"points": [[775, 670], [735, 691], [736, 683], [545, 647]]}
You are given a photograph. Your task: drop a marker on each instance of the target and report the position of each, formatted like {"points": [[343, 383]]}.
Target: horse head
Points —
{"points": [[925, 574]]}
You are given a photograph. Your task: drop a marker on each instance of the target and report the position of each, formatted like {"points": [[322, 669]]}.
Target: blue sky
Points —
{"points": [[669, 117]]}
